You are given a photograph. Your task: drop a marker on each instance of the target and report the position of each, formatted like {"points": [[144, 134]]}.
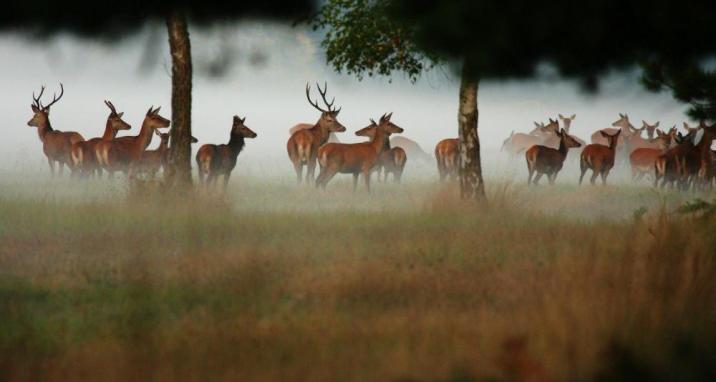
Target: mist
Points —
{"points": [[263, 72]]}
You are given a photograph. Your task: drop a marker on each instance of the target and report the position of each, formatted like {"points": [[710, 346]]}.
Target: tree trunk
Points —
{"points": [[178, 173], [471, 184]]}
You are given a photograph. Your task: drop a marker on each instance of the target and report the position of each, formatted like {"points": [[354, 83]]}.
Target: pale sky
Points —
{"points": [[271, 96]]}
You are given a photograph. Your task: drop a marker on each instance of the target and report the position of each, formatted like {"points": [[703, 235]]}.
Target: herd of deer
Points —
{"points": [[683, 160], [669, 157]]}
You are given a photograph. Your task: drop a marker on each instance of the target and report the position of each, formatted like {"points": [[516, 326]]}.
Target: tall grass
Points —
{"points": [[271, 282]]}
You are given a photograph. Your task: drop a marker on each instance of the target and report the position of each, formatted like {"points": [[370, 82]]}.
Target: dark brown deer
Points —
{"points": [[83, 152], [57, 145], [355, 158], [303, 145], [599, 158], [543, 160], [447, 154], [643, 159], [667, 167], [215, 160], [391, 161], [124, 153]]}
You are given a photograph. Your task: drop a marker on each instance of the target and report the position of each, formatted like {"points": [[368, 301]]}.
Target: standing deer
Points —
{"points": [[622, 124], [667, 167], [599, 158], [57, 145], [124, 153], [215, 160], [447, 156], [303, 145], [391, 160], [83, 152], [332, 137], [544, 160], [518, 143], [355, 158], [644, 158]]}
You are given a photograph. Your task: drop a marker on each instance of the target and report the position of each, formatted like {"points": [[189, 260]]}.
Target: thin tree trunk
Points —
{"points": [[471, 184], [179, 171]]}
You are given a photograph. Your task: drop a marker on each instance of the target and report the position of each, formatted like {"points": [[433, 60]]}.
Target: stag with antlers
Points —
{"points": [[303, 145], [57, 145]]}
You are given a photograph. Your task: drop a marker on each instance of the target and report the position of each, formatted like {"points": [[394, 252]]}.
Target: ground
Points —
{"points": [[275, 282]]}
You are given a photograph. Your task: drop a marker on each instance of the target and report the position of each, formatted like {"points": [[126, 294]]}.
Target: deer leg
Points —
{"points": [[536, 181], [226, 180], [326, 174], [529, 176], [595, 173], [355, 182], [552, 177], [298, 167], [52, 166], [62, 169], [310, 175], [605, 173], [366, 178]]}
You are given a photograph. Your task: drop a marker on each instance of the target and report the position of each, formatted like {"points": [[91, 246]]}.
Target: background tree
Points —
{"points": [[98, 20], [363, 38]]}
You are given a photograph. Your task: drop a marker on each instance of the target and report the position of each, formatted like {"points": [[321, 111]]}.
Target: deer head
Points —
{"points": [[567, 140], [384, 125], [567, 121], [664, 139], [155, 121], [328, 119], [613, 138], [239, 129], [163, 139], [689, 129], [624, 125], [649, 128], [115, 120], [42, 113]]}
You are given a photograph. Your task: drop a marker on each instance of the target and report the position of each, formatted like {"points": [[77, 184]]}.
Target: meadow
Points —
{"points": [[276, 282]]}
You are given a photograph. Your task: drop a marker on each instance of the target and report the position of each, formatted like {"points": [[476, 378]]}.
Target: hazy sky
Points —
{"points": [[271, 95]]}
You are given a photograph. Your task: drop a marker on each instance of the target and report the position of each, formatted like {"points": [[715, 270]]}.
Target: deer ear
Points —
{"points": [[243, 119], [34, 108], [656, 124], [156, 111], [387, 117], [120, 114], [561, 116], [236, 118], [149, 112], [536, 124], [573, 116]]}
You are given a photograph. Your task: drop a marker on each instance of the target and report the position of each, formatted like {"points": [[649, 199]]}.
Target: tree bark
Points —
{"points": [[471, 183], [179, 172]]}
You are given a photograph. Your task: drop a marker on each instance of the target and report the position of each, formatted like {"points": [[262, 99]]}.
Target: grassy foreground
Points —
{"points": [[276, 283]]}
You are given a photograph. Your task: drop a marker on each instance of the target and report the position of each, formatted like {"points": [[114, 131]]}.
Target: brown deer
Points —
{"points": [[303, 145], [154, 160], [447, 154], [215, 160], [599, 158], [412, 148], [83, 152], [391, 161], [355, 158], [643, 159], [622, 124], [57, 145], [667, 167], [544, 160], [703, 141], [124, 153]]}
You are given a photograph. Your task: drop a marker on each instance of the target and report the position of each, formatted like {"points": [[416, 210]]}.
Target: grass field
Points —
{"points": [[274, 282]]}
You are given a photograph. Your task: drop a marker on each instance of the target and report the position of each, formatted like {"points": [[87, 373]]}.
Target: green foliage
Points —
{"points": [[688, 82], [699, 207], [361, 39]]}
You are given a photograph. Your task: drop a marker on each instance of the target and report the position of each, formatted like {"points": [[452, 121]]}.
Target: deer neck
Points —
{"points": [[43, 129], [563, 147], [109, 132], [380, 141], [321, 133], [145, 135], [236, 143]]}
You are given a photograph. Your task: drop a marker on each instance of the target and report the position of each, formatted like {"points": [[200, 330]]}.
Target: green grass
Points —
{"points": [[273, 282]]}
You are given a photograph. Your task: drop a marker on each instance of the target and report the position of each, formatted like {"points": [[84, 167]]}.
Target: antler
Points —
{"points": [[323, 95], [314, 104], [36, 101], [110, 106], [55, 98]]}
